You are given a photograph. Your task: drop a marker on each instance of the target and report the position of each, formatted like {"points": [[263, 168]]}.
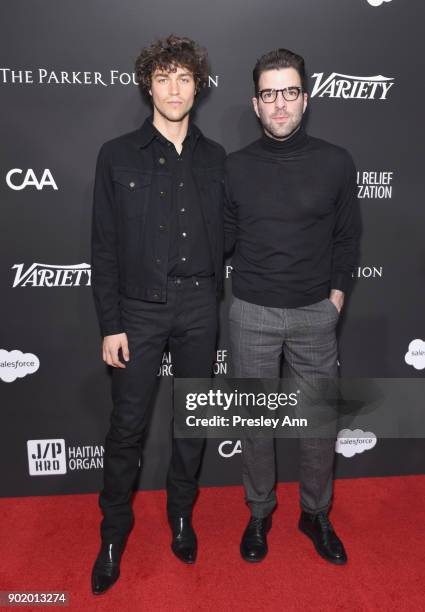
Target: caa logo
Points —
{"points": [[377, 2], [30, 179], [415, 355], [16, 364], [46, 457], [228, 448], [350, 443]]}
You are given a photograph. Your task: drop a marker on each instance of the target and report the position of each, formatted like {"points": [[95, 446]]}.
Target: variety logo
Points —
{"points": [[219, 366], [229, 448], [47, 76], [16, 364], [415, 355], [338, 85], [368, 272], [375, 185], [30, 179], [377, 2], [350, 443], [45, 275], [46, 457]]}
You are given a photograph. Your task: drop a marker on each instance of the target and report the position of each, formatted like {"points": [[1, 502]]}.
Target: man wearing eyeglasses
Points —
{"points": [[292, 220]]}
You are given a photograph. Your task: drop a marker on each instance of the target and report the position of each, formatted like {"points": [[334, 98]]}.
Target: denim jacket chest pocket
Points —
{"points": [[132, 188]]}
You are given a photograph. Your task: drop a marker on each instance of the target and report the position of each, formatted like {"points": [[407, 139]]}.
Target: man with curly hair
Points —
{"points": [[157, 261]]}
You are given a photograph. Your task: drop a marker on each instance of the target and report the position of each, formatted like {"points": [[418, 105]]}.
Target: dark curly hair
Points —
{"points": [[167, 54]]}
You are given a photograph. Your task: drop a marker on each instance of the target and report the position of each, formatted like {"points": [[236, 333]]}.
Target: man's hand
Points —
{"points": [[337, 299], [111, 346]]}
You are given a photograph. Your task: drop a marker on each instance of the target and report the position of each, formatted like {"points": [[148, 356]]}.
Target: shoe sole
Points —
{"points": [[328, 559]]}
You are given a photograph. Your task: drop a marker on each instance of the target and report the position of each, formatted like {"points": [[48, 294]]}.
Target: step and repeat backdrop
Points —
{"points": [[67, 85]]}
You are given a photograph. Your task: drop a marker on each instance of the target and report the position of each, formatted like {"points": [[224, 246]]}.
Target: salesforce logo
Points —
{"points": [[415, 355], [352, 442], [377, 2], [16, 364]]}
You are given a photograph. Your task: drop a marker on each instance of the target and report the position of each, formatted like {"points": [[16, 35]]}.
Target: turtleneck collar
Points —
{"points": [[282, 147]]}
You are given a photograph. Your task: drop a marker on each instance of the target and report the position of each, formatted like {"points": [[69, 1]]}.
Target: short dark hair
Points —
{"points": [[279, 58], [168, 53]]}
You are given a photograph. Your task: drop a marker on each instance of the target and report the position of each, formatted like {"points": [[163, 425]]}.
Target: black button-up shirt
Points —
{"points": [[189, 253], [135, 197]]}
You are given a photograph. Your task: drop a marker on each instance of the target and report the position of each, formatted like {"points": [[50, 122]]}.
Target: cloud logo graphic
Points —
{"points": [[377, 2], [16, 364], [415, 355], [350, 443]]}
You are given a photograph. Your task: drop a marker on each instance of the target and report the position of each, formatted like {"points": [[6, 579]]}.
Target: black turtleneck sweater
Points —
{"points": [[292, 218]]}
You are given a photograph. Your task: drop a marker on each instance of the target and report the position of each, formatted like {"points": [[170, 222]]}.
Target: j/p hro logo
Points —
{"points": [[46, 457]]}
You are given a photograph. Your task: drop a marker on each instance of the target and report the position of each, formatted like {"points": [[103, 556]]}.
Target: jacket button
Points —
{"points": [[184, 234], [132, 184], [162, 194], [156, 296], [162, 228], [161, 160], [183, 258], [158, 261]]}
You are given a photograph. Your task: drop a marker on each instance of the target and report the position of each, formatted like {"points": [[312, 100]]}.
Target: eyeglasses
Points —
{"points": [[289, 93]]}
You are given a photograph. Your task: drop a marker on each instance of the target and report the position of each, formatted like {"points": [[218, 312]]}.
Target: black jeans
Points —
{"points": [[188, 323]]}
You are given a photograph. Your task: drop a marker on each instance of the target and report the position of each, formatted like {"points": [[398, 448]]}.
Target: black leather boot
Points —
{"points": [[106, 569], [184, 544], [254, 540], [319, 529]]}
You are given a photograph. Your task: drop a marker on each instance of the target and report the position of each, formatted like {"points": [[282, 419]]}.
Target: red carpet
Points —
{"points": [[49, 544]]}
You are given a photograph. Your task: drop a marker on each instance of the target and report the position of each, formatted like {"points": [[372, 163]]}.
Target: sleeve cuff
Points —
{"points": [[341, 281]]}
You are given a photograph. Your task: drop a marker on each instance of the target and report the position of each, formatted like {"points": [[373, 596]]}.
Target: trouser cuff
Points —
{"points": [[261, 510], [314, 511]]}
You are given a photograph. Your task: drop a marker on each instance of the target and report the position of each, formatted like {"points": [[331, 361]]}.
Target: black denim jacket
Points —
{"points": [[131, 208]]}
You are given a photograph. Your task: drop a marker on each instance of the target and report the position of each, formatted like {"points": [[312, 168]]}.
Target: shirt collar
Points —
{"points": [[148, 132]]}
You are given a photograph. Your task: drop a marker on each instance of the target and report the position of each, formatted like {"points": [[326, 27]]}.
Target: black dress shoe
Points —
{"points": [[184, 544], [106, 569], [254, 540], [319, 529]]}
